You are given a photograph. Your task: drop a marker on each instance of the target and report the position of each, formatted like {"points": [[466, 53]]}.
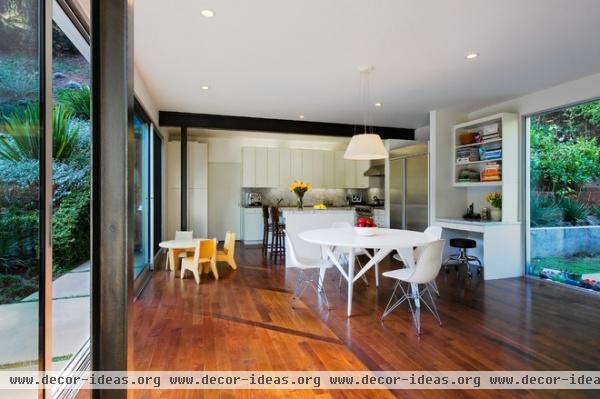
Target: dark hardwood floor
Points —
{"points": [[244, 322]]}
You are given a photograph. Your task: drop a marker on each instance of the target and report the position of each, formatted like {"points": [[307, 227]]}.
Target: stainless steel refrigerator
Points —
{"points": [[409, 187]]}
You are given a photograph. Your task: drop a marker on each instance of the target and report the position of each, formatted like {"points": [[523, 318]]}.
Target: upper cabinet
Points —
{"points": [[278, 167]]}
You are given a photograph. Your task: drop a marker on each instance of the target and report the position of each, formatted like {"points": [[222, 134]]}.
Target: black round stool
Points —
{"points": [[462, 258]]}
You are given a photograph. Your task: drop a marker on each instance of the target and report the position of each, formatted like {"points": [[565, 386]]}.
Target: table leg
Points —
{"points": [[172, 259], [167, 259], [350, 279]]}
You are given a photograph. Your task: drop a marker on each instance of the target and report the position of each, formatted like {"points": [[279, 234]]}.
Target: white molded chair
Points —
{"points": [[180, 236], [436, 232], [426, 270], [308, 272], [342, 255], [206, 252]]}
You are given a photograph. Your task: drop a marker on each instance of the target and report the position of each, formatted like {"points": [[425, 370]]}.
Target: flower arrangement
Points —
{"points": [[300, 188], [494, 199]]}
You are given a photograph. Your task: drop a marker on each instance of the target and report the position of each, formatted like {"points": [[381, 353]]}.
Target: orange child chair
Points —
{"points": [[204, 254], [228, 252]]}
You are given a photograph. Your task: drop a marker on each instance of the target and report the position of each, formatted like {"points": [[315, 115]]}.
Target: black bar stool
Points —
{"points": [[463, 258], [266, 230], [277, 235]]}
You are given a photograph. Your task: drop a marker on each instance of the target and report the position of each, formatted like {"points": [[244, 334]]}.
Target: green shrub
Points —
{"points": [[574, 212], [14, 288], [21, 141], [544, 211], [71, 231], [563, 164], [76, 101]]}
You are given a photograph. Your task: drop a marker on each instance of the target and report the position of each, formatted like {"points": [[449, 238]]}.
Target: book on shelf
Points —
{"points": [[491, 172]]}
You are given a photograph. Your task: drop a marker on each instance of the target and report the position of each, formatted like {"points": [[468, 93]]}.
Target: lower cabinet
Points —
{"points": [[252, 225]]}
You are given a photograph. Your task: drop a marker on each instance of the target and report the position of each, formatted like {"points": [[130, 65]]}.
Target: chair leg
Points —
{"points": [[196, 275], [232, 263], [213, 267], [433, 285], [393, 305], [182, 274]]}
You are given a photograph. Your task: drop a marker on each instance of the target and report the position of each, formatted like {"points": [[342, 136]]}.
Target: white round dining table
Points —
{"points": [[383, 243], [175, 247]]}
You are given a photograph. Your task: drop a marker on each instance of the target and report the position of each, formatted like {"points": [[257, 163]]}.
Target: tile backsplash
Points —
{"points": [[334, 197]]}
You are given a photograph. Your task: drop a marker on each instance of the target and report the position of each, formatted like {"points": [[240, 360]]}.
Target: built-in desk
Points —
{"points": [[498, 244]]}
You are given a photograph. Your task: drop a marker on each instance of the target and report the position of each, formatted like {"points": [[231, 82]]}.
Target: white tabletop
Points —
{"points": [[384, 238], [179, 244]]}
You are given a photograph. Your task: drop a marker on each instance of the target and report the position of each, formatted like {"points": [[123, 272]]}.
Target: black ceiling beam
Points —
{"points": [[226, 122]]}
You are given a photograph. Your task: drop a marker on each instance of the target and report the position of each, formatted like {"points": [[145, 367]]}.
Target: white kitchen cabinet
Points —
{"points": [[349, 173], [173, 164], [328, 169], [197, 165], [252, 222], [198, 212], [362, 181], [296, 164], [248, 167], [339, 170], [318, 170], [260, 177], [307, 166], [285, 165], [273, 167]]}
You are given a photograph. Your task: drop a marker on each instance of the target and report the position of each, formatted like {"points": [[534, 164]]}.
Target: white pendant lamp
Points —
{"points": [[367, 145]]}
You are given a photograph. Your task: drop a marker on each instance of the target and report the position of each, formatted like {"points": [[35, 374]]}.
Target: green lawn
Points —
{"points": [[575, 264]]}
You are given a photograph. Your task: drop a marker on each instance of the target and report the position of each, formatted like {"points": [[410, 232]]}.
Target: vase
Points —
{"points": [[300, 202], [496, 214]]}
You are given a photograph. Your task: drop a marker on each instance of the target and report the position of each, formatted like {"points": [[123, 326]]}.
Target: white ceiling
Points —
{"points": [[279, 59]]}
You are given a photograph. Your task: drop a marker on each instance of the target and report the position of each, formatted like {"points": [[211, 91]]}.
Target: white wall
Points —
{"points": [[572, 92]]}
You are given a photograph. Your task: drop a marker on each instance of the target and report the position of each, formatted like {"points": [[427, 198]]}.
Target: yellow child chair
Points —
{"points": [[227, 254], [205, 253]]}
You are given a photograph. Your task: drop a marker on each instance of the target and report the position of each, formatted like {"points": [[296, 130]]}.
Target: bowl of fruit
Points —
{"points": [[365, 227]]}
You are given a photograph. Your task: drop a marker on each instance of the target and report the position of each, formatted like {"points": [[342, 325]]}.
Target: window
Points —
{"points": [[564, 195]]}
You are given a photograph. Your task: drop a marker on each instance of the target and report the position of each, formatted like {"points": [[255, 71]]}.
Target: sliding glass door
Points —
{"points": [[141, 184], [20, 185], [564, 195]]}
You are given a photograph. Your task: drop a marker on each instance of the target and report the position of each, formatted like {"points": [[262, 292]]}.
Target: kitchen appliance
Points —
{"points": [[254, 199], [409, 187], [356, 198]]}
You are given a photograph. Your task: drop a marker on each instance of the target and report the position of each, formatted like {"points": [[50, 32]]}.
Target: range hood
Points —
{"points": [[376, 170]]}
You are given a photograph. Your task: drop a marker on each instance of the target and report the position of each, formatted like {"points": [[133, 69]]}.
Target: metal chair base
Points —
{"points": [[408, 295], [462, 258], [305, 279]]}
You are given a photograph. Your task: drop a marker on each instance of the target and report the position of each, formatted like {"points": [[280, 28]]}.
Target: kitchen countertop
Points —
{"points": [[311, 210], [473, 222], [329, 207]]}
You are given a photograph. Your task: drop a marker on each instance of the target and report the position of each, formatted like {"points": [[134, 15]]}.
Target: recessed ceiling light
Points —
{"points": [[472, 56], [204, 87], [378, 104], [207, 13], [301, 116]]}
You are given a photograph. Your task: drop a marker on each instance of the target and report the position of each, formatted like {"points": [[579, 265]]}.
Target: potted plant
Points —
{"points": [[495, 200], [300, 188]]}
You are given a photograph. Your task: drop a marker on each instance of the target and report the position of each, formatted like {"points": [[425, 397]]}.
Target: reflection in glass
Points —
{"points": [[71, 212], [141, 184]]}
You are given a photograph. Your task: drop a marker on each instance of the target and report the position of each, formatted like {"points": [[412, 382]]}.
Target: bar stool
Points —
{"points": [[277, 235], [266, 230], [463, 258]]}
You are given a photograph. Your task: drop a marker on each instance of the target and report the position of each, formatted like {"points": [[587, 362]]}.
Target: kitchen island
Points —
{"points": [[297, 221]]}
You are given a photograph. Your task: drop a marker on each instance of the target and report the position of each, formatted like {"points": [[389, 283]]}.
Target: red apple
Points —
{"points": [[362, 220]]}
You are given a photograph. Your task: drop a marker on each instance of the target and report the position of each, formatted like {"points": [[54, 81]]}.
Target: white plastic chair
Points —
{"points": [[426, 270], [435, 232], [308, 272], [342, 255]]}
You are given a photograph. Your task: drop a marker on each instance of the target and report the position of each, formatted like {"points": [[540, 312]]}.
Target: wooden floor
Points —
{"points": [[244, 322]]}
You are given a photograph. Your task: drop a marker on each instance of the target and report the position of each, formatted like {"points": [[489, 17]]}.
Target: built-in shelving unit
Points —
{"points": [[478, 162]]}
